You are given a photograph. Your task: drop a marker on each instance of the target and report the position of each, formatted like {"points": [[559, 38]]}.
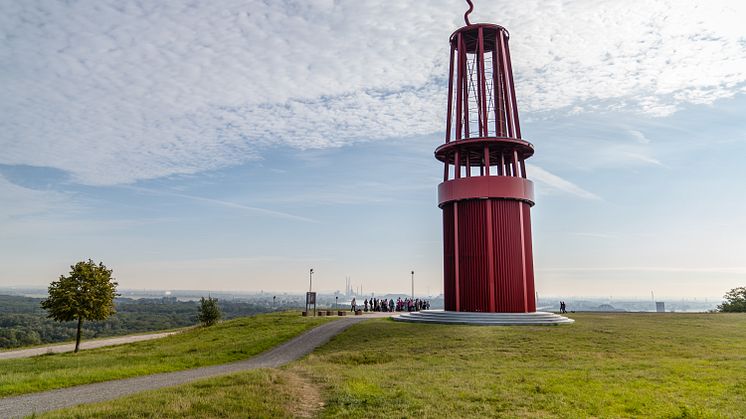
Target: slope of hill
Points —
{"points": [[23, 322], [605, 365], [228, 341]]}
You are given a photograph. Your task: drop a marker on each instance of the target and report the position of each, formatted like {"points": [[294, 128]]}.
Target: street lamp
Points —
{"points": [[412, 285]]}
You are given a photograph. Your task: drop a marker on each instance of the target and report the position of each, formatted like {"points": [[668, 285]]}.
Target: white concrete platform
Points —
{"points": [[539, 318]]}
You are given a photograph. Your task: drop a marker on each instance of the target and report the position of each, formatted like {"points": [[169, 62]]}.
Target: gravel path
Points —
{"points": [[297, 347], [69, 347]]}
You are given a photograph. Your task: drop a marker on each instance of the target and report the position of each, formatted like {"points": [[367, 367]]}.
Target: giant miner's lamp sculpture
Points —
{"points": [[485, 195]]}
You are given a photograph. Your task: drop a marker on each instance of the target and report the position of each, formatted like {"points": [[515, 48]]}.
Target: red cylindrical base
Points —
{"points": [[488, 263]]}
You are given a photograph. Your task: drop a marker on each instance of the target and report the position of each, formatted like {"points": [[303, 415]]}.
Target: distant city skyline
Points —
{"points": [[234, 145]]}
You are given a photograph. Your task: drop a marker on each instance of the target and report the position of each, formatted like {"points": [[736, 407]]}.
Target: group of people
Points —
{"points": [[563, 307], [407, 304]]}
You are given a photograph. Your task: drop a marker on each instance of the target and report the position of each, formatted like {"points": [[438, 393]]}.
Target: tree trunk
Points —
{"points": [[77, 337]]}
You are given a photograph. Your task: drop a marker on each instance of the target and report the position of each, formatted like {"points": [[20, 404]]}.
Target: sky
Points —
{"points": [[234, 145]]}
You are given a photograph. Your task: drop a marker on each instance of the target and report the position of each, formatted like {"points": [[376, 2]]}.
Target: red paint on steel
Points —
{"points": [[459, 88], [483, 125], [465, 86], [466, 15], [509, 75], [498, 93], [490, 258], [486, 187], [456, 263], [450, 95], [487, 159], [487, 254], [505, 86]]}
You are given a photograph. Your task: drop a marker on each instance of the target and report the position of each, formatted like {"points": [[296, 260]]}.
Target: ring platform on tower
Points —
{"points": [[536, 318]]}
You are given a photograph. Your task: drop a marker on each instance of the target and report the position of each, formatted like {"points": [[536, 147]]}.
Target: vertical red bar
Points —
{"points": [[490, 258], [457, 165], [523, 256], [486, 160], [516, 123], [501, 167], [445, 167], [459, 88], [449, 115], [499, 89], [506, 88], [483, 87], [515, 163], [468, 163], [455, 256], [465, 87], [477, 93], [523, 168], [497, 105]]}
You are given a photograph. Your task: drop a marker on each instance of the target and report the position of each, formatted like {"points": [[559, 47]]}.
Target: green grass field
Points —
{"points": [[228, 341], [605, 365]]}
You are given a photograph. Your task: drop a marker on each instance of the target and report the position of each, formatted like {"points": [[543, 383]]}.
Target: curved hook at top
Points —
{"points": [[466, 15]]}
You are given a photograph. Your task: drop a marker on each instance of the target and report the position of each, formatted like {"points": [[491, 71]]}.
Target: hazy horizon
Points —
{"points": [[170, 291]]}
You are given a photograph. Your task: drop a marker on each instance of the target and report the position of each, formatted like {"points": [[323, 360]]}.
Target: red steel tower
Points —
{"points": [[485, 195]]}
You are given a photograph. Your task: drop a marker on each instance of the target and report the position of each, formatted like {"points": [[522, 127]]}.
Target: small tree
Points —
{"points": [[87, 294], [735, 301], [209, 312]]}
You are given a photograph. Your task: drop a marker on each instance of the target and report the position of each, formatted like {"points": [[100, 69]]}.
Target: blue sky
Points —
{"points": [[235, 145]]}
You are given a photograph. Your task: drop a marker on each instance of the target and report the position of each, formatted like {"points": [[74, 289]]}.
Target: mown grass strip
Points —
{"points": [[228, 341]]}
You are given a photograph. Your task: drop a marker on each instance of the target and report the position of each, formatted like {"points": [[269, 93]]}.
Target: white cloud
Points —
{"points": [[114, 92], [552, 183], [639, 136]]}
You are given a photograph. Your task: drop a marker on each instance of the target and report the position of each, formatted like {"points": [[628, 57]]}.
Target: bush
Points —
{"points": [[735, 301], [209, 312]]}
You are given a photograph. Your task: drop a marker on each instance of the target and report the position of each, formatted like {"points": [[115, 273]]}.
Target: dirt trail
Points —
{"points": [[309, 397]]}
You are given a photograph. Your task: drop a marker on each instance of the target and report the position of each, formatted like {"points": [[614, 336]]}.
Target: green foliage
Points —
{"points": [[209, 312], [88, 294], [22, 319], [227, 341], [735, 301]]}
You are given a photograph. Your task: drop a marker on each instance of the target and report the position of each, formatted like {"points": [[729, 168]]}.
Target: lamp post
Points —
{"points": [[412, 285]]}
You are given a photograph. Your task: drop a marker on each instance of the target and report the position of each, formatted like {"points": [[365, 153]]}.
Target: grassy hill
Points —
{"points": [[228, 341], [23, 322], [605, 365]]}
